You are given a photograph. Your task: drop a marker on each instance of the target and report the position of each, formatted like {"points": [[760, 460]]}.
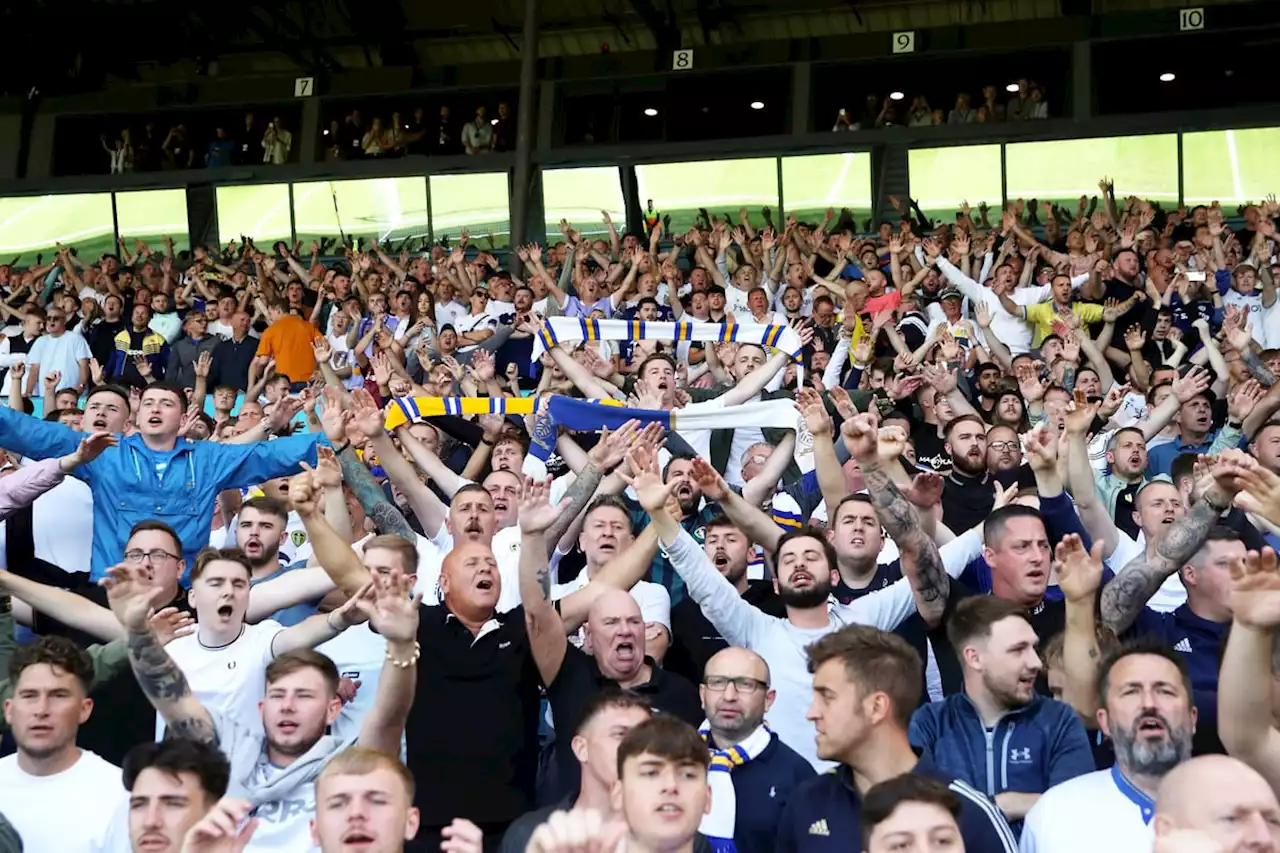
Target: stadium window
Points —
{"points": [[150, 215], [385, 208], [1062, 171], [31, 225], [478, 203], [721, 186], [814, 183], [1231, 166], [579, 195], [260, 211], [942, 179]]}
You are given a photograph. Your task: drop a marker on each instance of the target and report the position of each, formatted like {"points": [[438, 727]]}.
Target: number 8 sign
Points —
{"points": [[904, 42], [682, 60]]}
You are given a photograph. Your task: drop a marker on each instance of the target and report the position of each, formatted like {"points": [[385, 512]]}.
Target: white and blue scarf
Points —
{"points": [[718, 824]]}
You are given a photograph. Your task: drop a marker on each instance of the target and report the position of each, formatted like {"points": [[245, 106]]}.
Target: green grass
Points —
{"points": [[260, 211], [1064, 170], [941, 179], [1230, 166]]}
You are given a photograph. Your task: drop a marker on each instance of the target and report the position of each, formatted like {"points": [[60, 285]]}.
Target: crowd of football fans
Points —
{"points": [[299, 553]]}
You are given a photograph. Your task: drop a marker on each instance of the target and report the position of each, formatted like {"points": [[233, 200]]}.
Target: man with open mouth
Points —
{"points": [[1147, 710]]}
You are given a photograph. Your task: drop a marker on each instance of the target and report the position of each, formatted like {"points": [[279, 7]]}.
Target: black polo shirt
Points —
{"points": [[580, 678], [472, 734], [694, 640], [123, 716], [966, 500]]}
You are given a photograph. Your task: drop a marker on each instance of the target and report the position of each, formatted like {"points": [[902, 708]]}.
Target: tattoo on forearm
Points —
{"points": [[163, 682], [372, 498], [1069, 377], [579, 494], [921, 561], [1260, 371], [1125, 596], [544, 582]]}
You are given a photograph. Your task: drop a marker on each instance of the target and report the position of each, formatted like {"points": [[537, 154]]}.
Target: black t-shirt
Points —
{"points": [[931, 451], [580, 678], [966, 500], [122, 715], [913, 630], [694, 640], [472, 734]]}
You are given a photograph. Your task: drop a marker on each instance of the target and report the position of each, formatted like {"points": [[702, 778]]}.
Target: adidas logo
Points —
{"points": [[819, 827], [1184, 646]]}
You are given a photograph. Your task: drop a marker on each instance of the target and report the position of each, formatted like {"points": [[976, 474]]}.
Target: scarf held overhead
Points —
{"points": [[560, 330]]}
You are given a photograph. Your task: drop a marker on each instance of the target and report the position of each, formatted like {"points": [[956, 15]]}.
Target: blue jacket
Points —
{"points": [[824, 815], [131, 483], [1030, 750]]}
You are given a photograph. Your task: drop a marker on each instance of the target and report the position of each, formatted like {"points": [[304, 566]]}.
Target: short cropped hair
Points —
{"points": [[56, 652], [666, 737], [295, 661], [882, 800], [180, 755], [878, 662]]}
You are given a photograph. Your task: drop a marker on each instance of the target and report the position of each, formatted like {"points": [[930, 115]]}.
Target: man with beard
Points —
{"points": [[1147, 711], [102, 335], [736, 695], [968, 492], [1004, 457], [1041, 741], [1005, 325], [805, 563], [695, 513], [613, 649], [865, 685]]}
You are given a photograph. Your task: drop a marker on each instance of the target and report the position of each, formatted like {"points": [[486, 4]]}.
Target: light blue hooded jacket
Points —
{"points": [[132, 483]]}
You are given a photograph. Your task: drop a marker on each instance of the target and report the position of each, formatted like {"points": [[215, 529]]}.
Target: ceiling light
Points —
{"points": [[493, 121], [1012, 87], [650, 112], [896, 96], [757, 105], [1167, 77]]}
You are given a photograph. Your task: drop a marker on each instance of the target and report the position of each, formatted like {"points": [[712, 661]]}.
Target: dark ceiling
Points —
{"points": [[62, 46]]}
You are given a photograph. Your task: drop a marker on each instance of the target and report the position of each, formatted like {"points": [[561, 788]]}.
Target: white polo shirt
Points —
{"points": [[231, 679], [1099, 812]]}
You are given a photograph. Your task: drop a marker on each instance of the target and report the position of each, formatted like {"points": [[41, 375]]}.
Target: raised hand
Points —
{"points": [[304, 493], [925, 490], [1255, 590], [1259, 492], [1243, 398], [391, 606], [1042, 449], [809, 405], [1080, 414], [1079, 571], [96, 373], [536, 512], [612, 447], [578, 831], [482, 364], [939, 378], [461, 836], [708, 479], [1195, 382], [227, 828], [648, 485], [89, 449], [365, 414], [860, 435], [132, 595], [333, 418], [171, 623], [328, 471], [204, 364]]}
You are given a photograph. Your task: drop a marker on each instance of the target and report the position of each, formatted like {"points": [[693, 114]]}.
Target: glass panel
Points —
{"points": [[721, 186], [260, 211], [393, 208], [942, 178], [149, 215], [475, 203], [812, 184], [1145, 166], [31, 225], [1230, 166], [579, 195]]}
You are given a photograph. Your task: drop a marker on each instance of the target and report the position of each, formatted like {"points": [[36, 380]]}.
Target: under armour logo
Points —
{"points": [[773, 792], [1020, 754]]}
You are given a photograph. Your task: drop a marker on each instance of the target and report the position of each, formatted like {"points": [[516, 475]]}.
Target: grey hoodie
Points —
{"points": [[284, 798]]}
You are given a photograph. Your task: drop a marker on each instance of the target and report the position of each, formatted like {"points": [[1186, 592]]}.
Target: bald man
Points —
{"points": [[612, 654], [1218, 799], [736, 695]]}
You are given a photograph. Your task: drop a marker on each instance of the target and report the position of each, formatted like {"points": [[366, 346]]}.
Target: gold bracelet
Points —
{"points": [[405, 664]]}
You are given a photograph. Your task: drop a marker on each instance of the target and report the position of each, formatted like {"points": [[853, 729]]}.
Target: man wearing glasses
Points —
{"points": [[122, 716], [764, 771], [59, 352]]}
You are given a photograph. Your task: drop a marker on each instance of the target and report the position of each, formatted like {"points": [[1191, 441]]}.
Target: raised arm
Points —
{"points": [[546, 629], [132, 598], [1079, 575], [1246, 675], [67, 607], [1125, 596], [334, 555], [392, 611]]}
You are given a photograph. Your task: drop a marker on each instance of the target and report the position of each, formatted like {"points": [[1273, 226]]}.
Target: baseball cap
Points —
{"points": [[950, 293]]}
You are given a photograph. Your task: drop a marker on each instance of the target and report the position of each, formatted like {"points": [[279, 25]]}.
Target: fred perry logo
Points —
{"points": [[298, 537], [515, 546], [231, 664]]}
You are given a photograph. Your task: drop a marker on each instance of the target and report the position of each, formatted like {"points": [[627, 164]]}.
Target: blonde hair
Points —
{"points": [[361, 761]]}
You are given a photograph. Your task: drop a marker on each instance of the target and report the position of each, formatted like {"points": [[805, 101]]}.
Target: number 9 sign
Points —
{"points": [[904, 42]]}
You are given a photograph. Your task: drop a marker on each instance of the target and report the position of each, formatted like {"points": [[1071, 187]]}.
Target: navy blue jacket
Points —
{"points": [[1030, 749], [824, 815], [762, 788]]}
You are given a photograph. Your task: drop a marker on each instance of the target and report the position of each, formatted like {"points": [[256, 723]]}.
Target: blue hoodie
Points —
{"points": [[1030, 750], [132, 483]]}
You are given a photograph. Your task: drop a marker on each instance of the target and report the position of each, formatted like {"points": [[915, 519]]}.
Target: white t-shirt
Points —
{"points": [[358, 653], [343, 357], [61, 525], [68, 812], [653, 598], [231, 678], [1251, 304], [1099, 812], [62, 354]]}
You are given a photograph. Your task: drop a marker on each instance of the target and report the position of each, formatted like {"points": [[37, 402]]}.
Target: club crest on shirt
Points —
{"points": [[298, 537]]}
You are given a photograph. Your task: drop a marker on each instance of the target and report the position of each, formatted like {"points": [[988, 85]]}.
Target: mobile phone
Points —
{"points": [[1195, 275]]}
